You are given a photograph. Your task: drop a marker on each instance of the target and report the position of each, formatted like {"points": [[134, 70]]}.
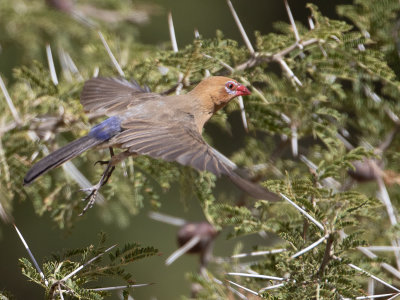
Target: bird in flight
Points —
{"points": [[163, 127]]}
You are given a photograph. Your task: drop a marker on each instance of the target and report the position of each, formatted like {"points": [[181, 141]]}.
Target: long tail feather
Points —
{"points": [[60, 156]]}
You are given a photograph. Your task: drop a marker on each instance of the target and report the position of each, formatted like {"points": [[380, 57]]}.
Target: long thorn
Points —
{"points": [[240, 26], [271, 287], [256, 276], [111, 55], [289, 12], [52, 68], [182, 250], [31, 256], [313, 245], [121, 287], [172, 33], [294, 140], [319, 225], [86, 263], [374, 277], [244, 288], [239, 294], [257, 253], [10, 103], [243, 113], [167, 219]]}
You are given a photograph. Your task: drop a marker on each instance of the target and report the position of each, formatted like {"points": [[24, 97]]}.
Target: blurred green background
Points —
{"points": [[45, 238]]}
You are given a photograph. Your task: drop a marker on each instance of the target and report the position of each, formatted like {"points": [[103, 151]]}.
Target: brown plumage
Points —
{"points": [[164, 127]]}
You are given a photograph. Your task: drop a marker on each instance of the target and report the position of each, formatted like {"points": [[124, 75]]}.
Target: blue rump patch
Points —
{"points": [[106, 129]]}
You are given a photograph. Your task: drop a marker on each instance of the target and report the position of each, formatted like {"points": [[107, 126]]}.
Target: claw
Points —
{"points": [[102, 162]]}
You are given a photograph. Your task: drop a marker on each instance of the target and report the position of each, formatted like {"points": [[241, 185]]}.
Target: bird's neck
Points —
{"points": [[203, 108]]}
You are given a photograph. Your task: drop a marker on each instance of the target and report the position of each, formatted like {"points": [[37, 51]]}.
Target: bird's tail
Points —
{"points": [[60, 156]]}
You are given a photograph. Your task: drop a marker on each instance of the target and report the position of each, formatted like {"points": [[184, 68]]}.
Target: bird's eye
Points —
{"points": [[230, 87]]}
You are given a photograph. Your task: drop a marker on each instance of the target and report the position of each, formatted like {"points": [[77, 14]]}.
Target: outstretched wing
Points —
{"points": [[111, 96], [184, 144]]}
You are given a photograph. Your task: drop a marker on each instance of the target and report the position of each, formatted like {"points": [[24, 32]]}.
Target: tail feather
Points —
{"points": [[60, 156]]}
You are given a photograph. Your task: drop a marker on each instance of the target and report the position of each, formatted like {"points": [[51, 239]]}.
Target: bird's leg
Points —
{"points": [[114, 160]]}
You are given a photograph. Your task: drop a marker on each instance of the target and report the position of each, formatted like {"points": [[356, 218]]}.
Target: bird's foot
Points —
{"points": [[102, 162], [91, 197], [92, 191]]}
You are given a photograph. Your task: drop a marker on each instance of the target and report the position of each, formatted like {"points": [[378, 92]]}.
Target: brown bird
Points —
{"points": [[145, 123]]}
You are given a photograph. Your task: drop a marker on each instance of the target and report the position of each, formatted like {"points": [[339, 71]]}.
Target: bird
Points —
{"points": [[142, 122]]}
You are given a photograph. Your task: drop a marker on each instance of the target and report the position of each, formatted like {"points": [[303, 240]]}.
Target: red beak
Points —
{"points": [[241, 90]]}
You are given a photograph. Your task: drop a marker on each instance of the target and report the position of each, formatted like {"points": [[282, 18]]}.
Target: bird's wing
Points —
{"points": [[111, 96], [184, 144]]}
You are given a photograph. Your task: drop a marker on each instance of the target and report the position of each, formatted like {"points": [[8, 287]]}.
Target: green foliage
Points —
{"points": [[62, 265]]}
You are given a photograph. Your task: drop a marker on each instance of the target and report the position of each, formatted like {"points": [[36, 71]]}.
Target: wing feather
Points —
{"points": [[111, 96], [185, 145]]}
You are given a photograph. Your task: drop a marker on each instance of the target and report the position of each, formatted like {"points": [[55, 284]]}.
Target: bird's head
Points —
{"points": [[219, 90]]}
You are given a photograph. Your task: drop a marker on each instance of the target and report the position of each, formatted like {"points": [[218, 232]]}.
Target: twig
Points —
{"points": [[31, 256], [319, 225], [52, 68], [259, 58], [240, 26], [111, 55], [60, 293], [182, 250], [327, 254]]}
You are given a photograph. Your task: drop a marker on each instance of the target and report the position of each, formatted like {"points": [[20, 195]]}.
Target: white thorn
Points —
{"points": [[291, 19], [271, 287], [240, 26], [374, 277], [167, 219], [182, 250], [256, 276], [10, 103], [172, 33], [243, 113], [319, 225], [244, 288], [111, 55], [313, 245], [85, 264], [294, 141], [31, 256], [52, 68], [121, 287], [257, 253]]}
